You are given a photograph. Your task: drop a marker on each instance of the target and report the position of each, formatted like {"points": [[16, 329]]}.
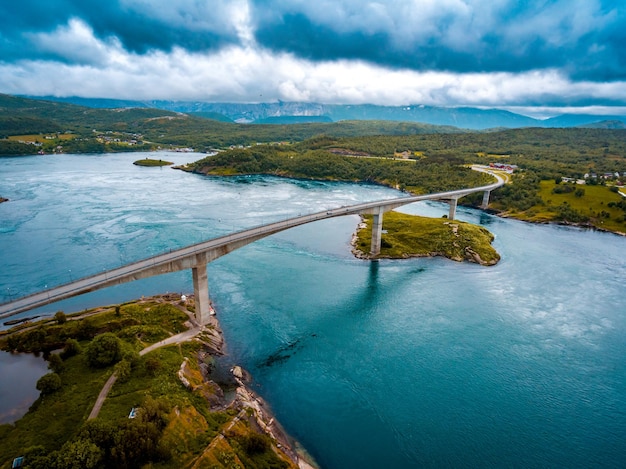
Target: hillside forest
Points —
{"points": [[571, 175]]}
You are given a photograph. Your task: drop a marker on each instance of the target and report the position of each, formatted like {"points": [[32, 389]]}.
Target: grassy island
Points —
{"points": [[414, 236], [165, 408], [152, 162]]}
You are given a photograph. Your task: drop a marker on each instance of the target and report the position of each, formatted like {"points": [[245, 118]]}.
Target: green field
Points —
{"points": [[594, 207], [41, 138]]}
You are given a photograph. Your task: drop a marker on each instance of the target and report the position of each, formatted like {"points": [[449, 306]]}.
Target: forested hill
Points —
{"points": [[154, 128]]}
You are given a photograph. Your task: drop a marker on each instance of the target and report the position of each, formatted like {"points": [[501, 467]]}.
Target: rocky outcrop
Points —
{"points": [[254, 414]]}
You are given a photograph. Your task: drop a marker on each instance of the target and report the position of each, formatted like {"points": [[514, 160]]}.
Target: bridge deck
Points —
{"points": [[202, 253]]}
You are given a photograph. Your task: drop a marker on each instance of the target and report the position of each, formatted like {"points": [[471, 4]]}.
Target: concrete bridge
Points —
{"points": [[197, 256]]}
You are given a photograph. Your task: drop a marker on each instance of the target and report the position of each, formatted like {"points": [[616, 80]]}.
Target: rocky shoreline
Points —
{"points": [[250, 407]]}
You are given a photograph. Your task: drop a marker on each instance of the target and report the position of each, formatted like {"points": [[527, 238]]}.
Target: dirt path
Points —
{"points": [[175, 339]]}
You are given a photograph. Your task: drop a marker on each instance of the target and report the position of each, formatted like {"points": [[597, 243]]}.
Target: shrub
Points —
{"points": [[55, 363], [49, 383], [255, 443], [72, 347], [104, 350], [123, 370], [60, 318]]}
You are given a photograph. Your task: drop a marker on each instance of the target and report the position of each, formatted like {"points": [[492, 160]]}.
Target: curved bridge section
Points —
{"points": [[197, 256]]}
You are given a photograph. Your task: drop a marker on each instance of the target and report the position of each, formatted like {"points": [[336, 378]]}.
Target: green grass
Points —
{"points": [[593, 205], [163, 382], [414, 236], [59, 417], [151, 162]]}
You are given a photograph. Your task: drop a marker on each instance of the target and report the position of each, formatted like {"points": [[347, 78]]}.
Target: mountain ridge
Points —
{"points": [[286, 112]]}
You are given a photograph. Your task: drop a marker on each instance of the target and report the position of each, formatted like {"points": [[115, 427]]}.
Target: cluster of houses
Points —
{"points": [[111, 139], [617, 178], [509, 168]]}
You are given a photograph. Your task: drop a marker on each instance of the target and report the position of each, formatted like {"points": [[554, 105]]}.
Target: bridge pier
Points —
{"points": [[485, 203], [452, 212], [201, 293], [377, 232]]}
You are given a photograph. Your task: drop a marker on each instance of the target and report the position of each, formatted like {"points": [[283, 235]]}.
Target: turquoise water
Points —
{"points": [[413, 363]]}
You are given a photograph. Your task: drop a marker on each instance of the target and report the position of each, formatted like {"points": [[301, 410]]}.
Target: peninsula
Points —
{"points": [[170, 403]]}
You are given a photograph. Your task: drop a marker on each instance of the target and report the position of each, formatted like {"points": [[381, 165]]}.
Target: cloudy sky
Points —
{"points": [[526, 55]]}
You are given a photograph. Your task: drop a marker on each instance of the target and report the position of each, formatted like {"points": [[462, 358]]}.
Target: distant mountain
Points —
{"points": [[579, 120], [464, 117], [293, 112], [293, 120], [610, 124]]}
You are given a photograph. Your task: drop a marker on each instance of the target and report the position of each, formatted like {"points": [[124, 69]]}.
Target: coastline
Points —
{"points": [[582, 225], [230, 394], [250, 403]]}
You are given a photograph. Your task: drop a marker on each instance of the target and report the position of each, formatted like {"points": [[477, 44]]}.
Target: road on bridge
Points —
{"points": [[191, 256]]}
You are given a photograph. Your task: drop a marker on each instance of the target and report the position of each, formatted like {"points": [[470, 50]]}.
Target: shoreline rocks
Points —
{"points": [[251, 406]]}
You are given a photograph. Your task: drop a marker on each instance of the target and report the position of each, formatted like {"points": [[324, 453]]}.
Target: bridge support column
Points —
{"points": [[377, 233], [201, 293], [452, 212], [485, 203]]}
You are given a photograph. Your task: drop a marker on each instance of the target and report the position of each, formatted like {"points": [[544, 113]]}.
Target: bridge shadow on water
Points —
{"points": [[359, 306]]}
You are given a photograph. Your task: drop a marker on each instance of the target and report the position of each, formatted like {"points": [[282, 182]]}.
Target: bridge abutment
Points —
{"points": [[201, 293]]}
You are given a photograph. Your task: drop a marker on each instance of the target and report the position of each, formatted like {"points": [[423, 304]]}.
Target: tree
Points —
{"points": [[55, 363], [86, 329], [72, 347], [79, 454], [60, 318], [123, 369], [49, 383], [104, 350]]}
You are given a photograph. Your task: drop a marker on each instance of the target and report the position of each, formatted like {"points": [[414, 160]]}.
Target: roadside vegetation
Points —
{"points": [[172, 425], [414, 236]]}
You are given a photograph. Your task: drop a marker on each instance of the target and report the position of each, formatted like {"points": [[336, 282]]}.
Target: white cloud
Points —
{"points": [[250, 74], [75, 43]]}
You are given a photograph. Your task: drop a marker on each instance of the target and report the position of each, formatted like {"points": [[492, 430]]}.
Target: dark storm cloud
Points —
{"points": [[138, 26], [585, 39]]}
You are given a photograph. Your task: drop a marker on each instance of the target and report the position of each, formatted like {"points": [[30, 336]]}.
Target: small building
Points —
{"points": [[18, 462]]}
